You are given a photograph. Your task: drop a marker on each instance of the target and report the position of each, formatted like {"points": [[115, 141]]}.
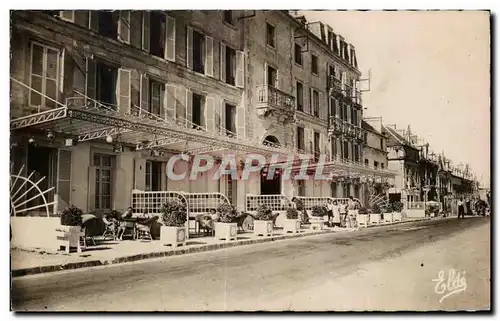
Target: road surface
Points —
{"points": [[384, 268]]}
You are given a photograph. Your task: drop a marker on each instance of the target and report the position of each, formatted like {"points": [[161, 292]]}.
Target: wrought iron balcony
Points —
{"points": [[270, 98], [336, 125], [335, 85]]}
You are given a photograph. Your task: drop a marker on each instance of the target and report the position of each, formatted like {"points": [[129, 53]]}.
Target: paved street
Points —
{"points": [[386, 268]]}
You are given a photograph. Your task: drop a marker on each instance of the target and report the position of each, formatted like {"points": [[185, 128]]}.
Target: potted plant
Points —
{"points": [[317, 221], [174, 217], [388, 217], [263, 223], [226, 228], [292, 221], [375, 215], [71, 228], [397, 209], [363, 217]]}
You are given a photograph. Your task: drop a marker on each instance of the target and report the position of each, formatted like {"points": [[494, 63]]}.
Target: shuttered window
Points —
{"points": [[103, 180], [44, 73]]}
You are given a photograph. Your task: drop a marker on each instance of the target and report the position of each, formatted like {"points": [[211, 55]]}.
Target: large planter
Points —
{"points": [[291, 226], [68, 237], [363, 219], [396, 216], [173, 235], [388, 217], [375, 218], [226, 231], [264, 228], [317, 223]]}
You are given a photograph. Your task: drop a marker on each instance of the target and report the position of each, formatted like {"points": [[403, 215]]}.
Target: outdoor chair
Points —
{"points": [[143, 228], [109, 228]]}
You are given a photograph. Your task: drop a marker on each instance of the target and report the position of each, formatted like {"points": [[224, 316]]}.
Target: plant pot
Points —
{"points": [[363, 219], [375, 218], [291, 226], [317, 223], [69, 237], [388, 217], [264, 228], [397, 217], [173, 235], [226, 231]]}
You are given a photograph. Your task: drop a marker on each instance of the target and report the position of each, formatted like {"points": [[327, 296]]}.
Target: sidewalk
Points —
{"points": [[35, 261]]}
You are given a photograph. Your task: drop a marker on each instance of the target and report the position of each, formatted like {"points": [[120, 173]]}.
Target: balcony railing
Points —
{"points": [[338, 126], [335, 84], [270, 97]]}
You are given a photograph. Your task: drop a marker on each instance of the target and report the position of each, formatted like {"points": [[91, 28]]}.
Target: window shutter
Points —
{"points": [[265, 74], [180, 107], [124, 26], [123, 90], [210, 113], [343, 81], [310, 106], [240, 69], [144, 93], [90, 78], [68, 15], [222, 62], [223, 115], [240, 120], [217, 119], [321, 106], [91, 185], [64, 177], [94, 20], [209, 56], [170, 101], [146, 18], [189, 108], [189, 48], [170, 42], [321, 143]]}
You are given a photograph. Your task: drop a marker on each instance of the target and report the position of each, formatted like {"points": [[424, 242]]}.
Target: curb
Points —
{"points": [[177, 252], [152, 255]]}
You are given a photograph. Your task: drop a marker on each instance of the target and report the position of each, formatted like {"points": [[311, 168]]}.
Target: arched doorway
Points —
{"points": [[270, 186]]}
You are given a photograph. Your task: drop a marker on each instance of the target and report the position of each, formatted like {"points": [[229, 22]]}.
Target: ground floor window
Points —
{"points": [[347, 190], [153, 176], [301, 187], [103, 180]]}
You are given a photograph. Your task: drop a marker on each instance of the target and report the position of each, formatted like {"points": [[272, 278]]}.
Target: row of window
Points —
{"points": [[158, 37], [375, 164], [346, 189], [316, 141], [112, 86]]}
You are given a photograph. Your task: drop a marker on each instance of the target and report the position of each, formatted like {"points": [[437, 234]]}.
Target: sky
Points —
{"points": [[430, 70]]}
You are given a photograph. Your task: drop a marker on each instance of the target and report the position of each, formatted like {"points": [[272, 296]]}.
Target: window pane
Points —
{"points": [[36, 83], [50, 91], [97, 188], [105, 175], [106, 161], [97, 203], [37, 60], [51, 71], [97, 175], [106, 202], [97, 159], [106, 189]]}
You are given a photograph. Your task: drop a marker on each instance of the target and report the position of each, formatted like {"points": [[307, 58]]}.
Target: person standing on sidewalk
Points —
{"points": [[329, 212], [343, 214], [460, 206]]}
